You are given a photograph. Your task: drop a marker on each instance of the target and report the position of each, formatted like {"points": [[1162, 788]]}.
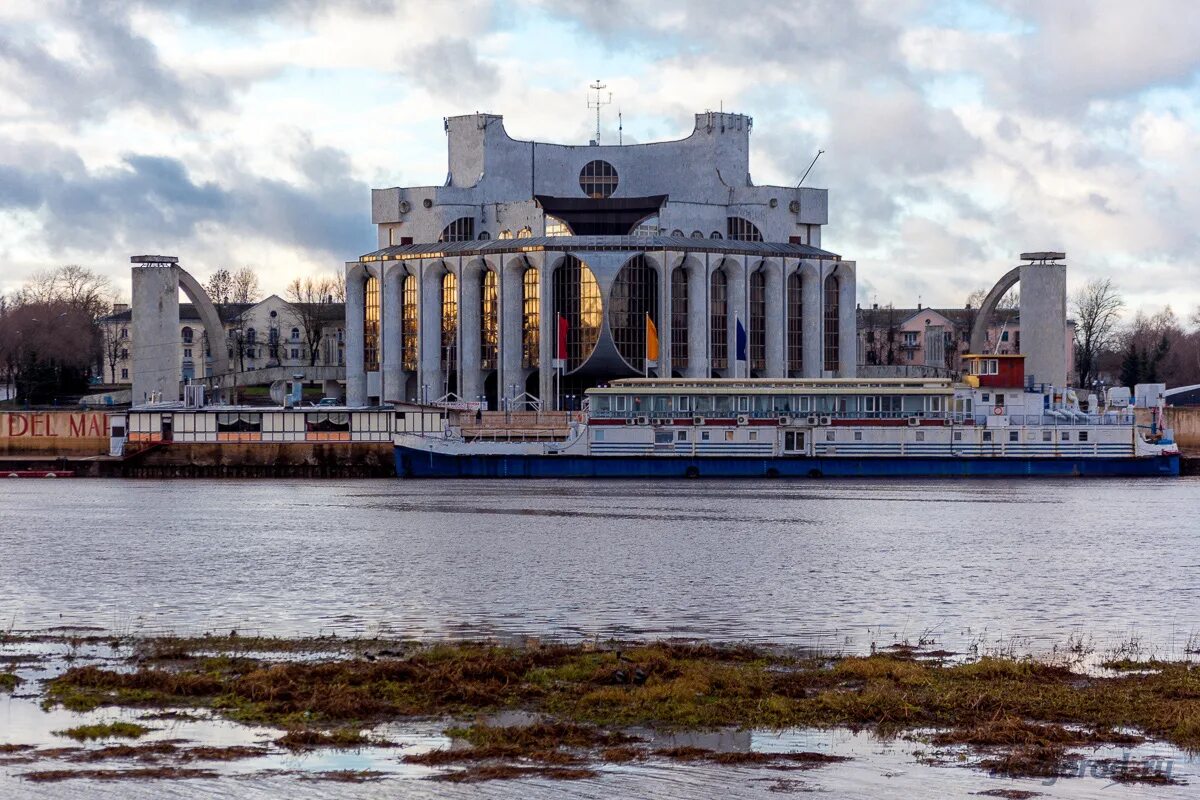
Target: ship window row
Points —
{"points": [[769, 405], [985, 366]]}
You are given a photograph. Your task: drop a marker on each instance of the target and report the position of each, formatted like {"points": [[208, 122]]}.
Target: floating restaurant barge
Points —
{"points": [[993, 425]]}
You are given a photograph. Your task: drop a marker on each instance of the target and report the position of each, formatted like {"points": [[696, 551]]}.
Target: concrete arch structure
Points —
{"points": [[988, 307], [156, 287], [1043, 319]]}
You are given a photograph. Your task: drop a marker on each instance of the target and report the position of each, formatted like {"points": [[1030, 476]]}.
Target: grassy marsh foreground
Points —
{"points": [[1014, 716]]}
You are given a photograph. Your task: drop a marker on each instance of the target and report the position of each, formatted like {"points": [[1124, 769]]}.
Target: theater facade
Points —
{"points": [[540, 270]]}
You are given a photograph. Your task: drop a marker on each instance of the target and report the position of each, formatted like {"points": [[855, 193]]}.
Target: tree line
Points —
{"points": [[1149, 348]]}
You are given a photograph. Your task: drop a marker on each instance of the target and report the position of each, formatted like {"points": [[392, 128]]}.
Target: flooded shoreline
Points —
{"points": [[101, 710]]}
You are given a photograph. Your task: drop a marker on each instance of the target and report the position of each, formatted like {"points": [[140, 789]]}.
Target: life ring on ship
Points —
{"points": [[998, 410]]}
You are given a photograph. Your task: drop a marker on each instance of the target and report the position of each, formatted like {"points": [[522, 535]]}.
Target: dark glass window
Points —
{"points": [[577, 297], [461, 230], [832, 344], [758, 320], [679, 319], [719, 321], [634, 295], [598, 179], [795, 323], [742, 230], [489, 333]]}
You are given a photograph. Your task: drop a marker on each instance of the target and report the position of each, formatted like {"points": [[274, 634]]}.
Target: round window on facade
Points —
{"points": [[598, 179]]}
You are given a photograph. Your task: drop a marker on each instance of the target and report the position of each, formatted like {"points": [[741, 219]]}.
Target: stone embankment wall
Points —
{"points": [[53, 433], [1185, 421], [262, 460]]}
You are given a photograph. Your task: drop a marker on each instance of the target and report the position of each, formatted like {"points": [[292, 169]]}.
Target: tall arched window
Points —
{"points": [[718, 321], [634, 295], [679, 318], [461, 230], [371, 325], [795, 323], [489, 319], [531, 317], [449, 323], [524, 233], [408, 325], [742, 230], [295, 334], [832, 313], [188, 335], [758, 320], [577, 298]]}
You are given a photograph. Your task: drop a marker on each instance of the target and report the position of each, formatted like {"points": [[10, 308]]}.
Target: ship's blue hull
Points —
{"points": [[412, 463]]}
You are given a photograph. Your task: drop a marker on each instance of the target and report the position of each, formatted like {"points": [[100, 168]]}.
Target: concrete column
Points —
{"points": [[811, 309], [392, 313], [1044, 322], [847, 320], [470, 318], [512, 303], [356, 371], [738, 277], [429, 383], [547, 337], [776, 319], [155, 349], [699, 365]]}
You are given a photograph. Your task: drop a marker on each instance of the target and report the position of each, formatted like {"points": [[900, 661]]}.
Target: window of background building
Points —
{"points": [[742, 230], [598, 179]]}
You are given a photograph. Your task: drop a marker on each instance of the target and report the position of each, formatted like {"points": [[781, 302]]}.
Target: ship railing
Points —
{"points": [[1064, 419]]}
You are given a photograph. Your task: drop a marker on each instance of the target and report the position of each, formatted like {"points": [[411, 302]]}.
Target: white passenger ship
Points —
{"points": [[993, 424]]}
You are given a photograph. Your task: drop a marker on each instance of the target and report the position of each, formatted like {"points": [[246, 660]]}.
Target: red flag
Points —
{"points": [[561, 351]]}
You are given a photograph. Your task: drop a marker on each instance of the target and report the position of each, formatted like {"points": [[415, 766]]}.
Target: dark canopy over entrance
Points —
{"points": [[610, 216]]}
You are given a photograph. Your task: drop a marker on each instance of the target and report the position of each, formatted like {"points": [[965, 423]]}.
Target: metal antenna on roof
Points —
{"points": [[598, 103], [620, 128], [810, 166]]}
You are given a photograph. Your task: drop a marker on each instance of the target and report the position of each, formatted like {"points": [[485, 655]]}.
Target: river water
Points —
{"points": [[1021, 566]]}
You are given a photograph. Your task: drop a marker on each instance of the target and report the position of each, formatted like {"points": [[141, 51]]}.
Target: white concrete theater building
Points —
{"points": [[463, 294]]}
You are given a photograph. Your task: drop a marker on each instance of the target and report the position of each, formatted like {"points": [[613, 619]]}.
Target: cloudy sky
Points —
{"points": [[957, 134]]}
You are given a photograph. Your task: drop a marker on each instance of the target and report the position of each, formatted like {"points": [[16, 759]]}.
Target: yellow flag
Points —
{"points": [[651, 340]]}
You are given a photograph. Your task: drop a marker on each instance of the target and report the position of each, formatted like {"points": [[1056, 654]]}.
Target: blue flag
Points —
{"points": [[741, 341]]}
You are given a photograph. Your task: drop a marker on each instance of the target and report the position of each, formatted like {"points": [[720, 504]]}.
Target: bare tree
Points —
{"points": [[1009, 302], [220, 286], [245, 286], [313, 305], [1097, 308], [111, 346]]}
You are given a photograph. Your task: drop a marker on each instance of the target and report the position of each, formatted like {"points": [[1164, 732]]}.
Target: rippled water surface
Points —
{"points": [[839, 564]]}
